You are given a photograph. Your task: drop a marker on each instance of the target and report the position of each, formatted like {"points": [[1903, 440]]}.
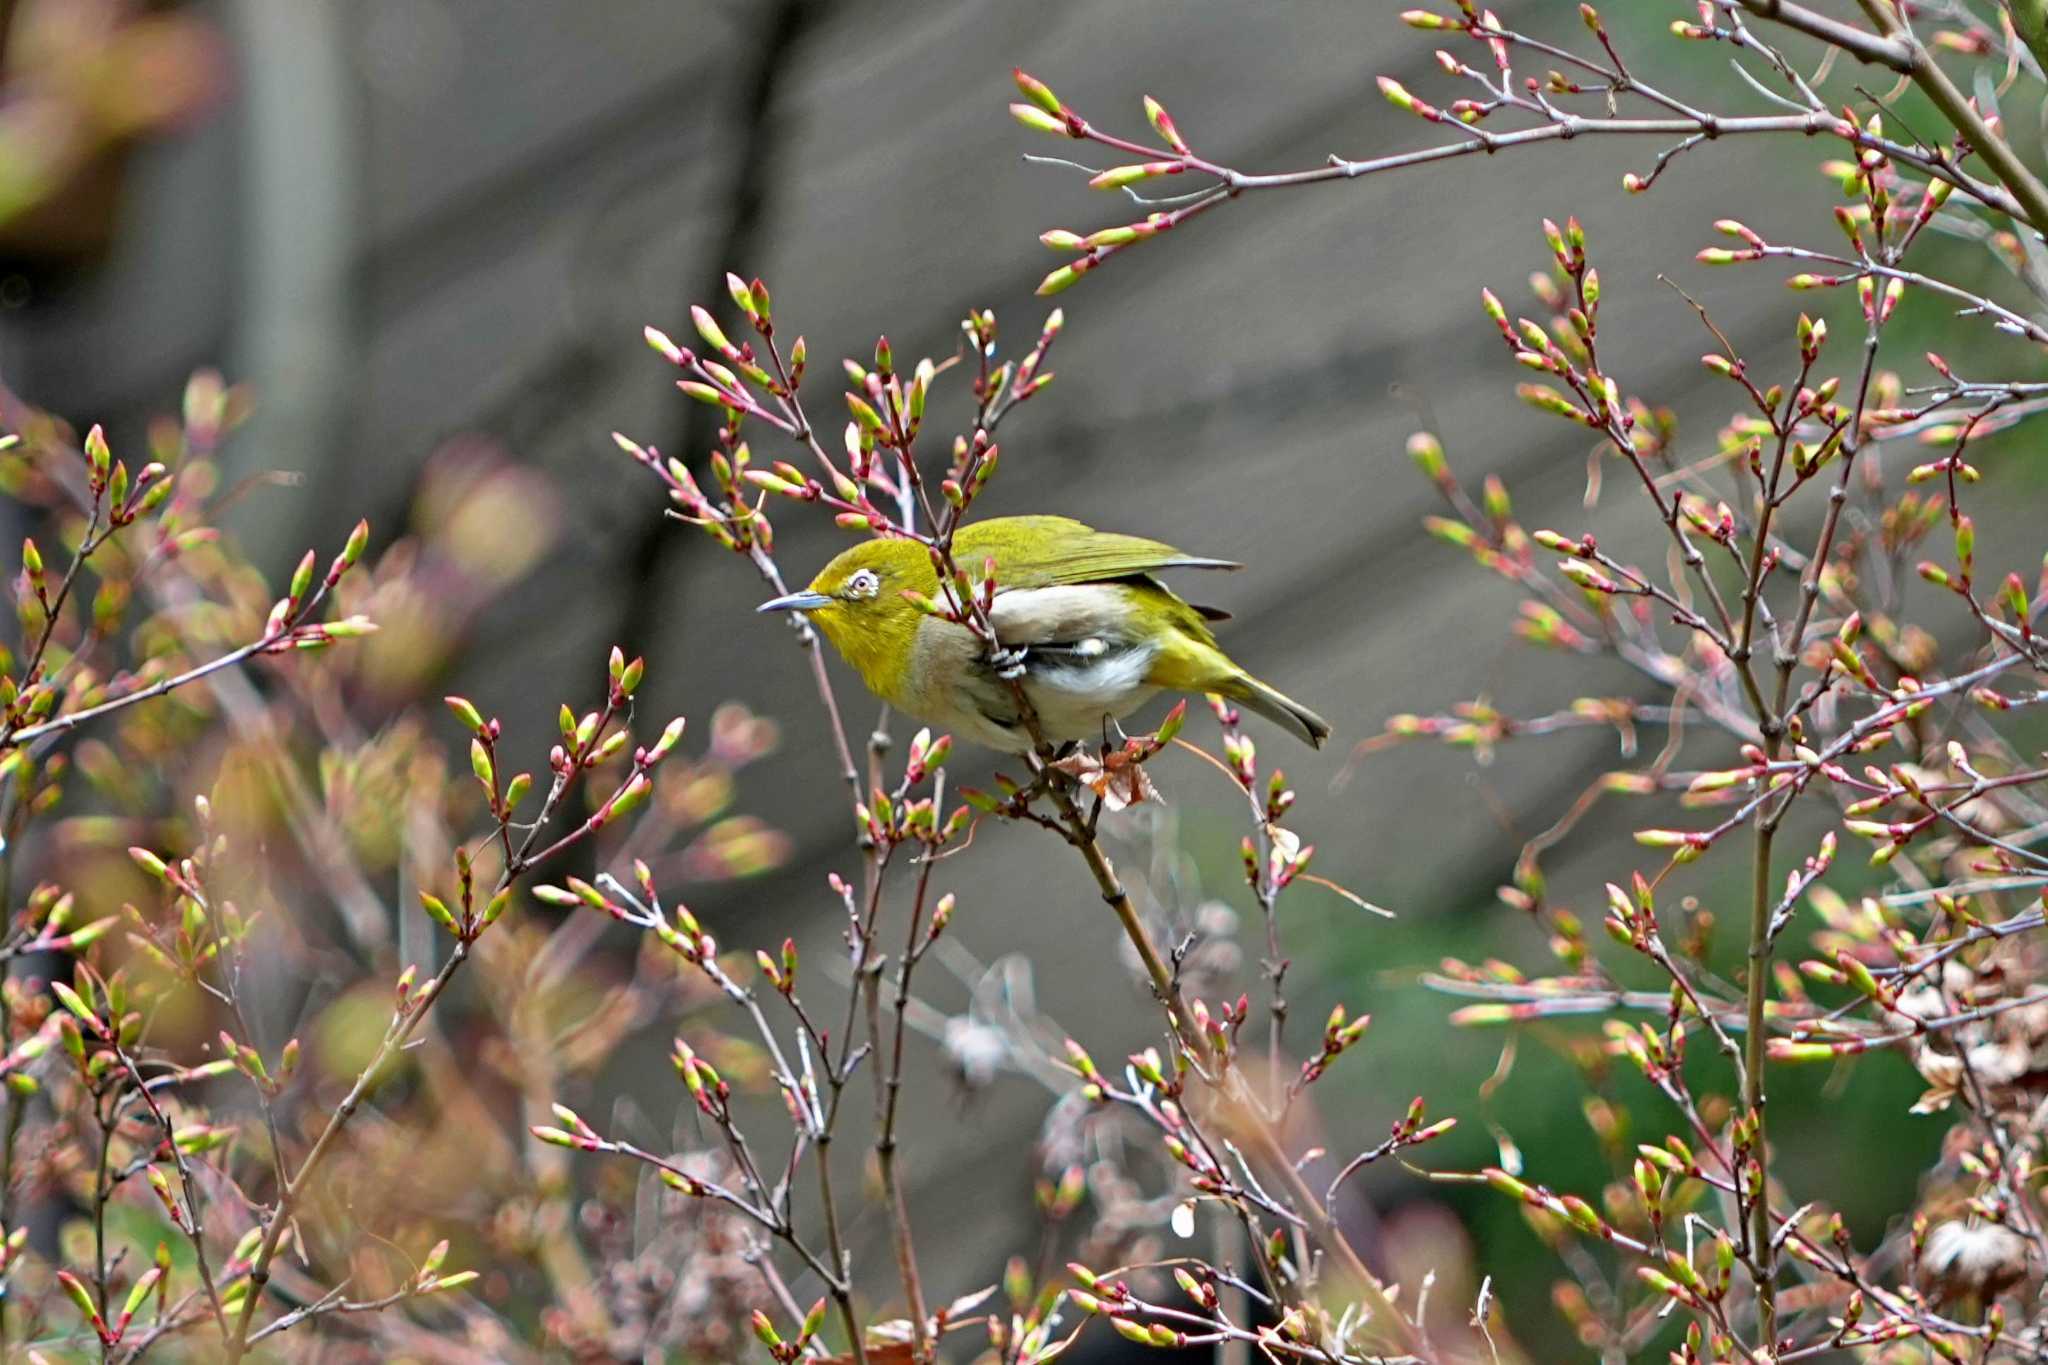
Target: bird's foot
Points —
{"points": [[1008, 663]]}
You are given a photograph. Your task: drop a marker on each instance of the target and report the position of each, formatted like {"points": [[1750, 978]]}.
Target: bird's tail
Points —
{"points": [[1278, 707]]}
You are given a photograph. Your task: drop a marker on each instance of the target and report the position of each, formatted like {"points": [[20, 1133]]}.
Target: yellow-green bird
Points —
{"points": [[1082, 618]]}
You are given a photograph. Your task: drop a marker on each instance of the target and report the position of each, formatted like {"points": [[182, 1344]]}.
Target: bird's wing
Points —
{"points": [[1039, 551], [1084, 618]]}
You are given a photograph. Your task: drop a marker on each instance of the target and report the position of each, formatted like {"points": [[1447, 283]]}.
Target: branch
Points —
{"points": [[1958, 109], [1864, 46]]}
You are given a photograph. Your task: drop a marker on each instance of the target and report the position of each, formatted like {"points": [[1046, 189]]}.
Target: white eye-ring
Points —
{"points": [[863, 584]]}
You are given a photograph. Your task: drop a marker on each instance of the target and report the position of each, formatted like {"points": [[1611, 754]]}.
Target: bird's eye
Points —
{"points": [[863, 584]]}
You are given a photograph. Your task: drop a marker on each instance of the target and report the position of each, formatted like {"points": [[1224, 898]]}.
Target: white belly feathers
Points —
{"points": [[1082, 667], [1073, 697]]}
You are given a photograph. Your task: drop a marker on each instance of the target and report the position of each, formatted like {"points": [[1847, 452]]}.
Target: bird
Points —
{"points": [[1082, 622]]}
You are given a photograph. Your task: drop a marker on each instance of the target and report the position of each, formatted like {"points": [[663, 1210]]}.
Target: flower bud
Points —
{"points": [[1037, 91]]}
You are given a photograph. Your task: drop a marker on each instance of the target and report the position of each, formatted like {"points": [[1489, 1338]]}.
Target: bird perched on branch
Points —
{"points": [[1081, 618]]}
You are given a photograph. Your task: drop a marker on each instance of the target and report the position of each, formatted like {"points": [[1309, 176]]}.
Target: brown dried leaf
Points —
{"points": [[1119, 779]]}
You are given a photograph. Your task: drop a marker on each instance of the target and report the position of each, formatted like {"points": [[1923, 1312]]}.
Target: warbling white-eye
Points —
{"points": [[1082, 618]]}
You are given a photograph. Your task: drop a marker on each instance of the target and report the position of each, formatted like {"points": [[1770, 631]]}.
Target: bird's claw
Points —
{"points": [[1008, 663]]}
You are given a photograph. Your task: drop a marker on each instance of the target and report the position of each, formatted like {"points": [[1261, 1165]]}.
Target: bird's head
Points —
{"points": [[858, 601]]}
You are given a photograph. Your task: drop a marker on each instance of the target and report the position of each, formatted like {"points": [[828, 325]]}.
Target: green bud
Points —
{"points": [[97, 456], [1035, 90], [438, 911], [1171, 726], [708, 328], [302, 578], [629, 798], [667, 349], [1059, 280], [353, 550], [1427, 453], [74, 1288], [1117, 177]]}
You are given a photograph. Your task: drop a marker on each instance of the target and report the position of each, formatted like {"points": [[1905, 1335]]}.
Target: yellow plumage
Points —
{"points": [[1086, 625]]}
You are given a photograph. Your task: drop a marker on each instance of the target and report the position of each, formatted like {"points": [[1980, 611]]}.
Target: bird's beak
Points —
{"points": [[796, 601]]}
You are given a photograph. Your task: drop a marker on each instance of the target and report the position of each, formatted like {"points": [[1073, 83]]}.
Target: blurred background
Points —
{"points": [[425, 236]]}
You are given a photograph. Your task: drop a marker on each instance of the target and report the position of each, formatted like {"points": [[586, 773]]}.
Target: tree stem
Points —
{"points": [[1762, 1251]]}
